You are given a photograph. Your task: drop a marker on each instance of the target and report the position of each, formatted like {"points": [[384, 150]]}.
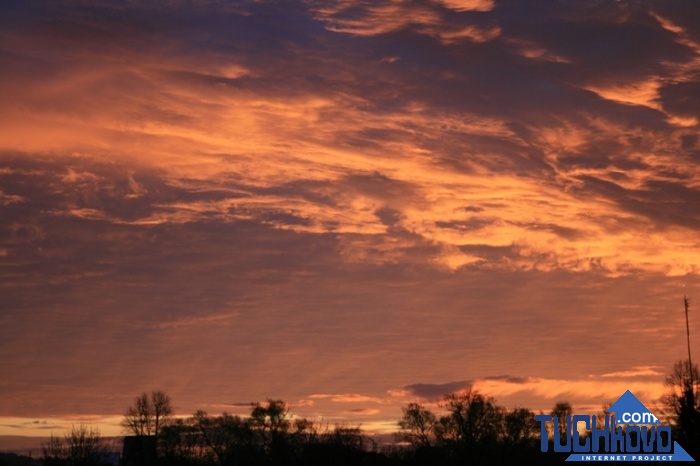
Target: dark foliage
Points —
{"points": [[13, 459], [81, 446], [682, 403]]}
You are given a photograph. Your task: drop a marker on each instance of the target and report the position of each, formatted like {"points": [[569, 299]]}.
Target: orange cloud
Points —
{"points": [[393, 15], [371, 192], [583, 391], [636, 371], [347, 398], [470, 5]]}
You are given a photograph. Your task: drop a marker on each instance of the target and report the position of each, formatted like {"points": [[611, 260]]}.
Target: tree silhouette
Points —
{"points": [[417, 426], [475, 429], [682, 403], [147, 414], [519, 428], [180, 444], [82, 446], [561, 410], [226, 436], [473, 420]]}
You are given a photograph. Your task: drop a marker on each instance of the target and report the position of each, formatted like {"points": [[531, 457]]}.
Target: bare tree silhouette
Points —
{"points": [[417, 426], [147, 414], [81, 446]]}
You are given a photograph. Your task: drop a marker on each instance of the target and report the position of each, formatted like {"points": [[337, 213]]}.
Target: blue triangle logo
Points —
{"points": [[679, 454], [629, 410]]}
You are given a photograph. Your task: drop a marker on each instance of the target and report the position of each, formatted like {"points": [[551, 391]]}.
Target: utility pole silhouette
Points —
{"points": [[687, 331], [689, 414]]}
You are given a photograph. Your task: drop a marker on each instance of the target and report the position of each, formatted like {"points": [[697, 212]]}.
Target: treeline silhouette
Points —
{"points": [[471, 428], [474, 430], [13, 459]]}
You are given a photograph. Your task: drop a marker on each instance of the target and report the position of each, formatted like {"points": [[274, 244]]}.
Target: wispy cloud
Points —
{"points": [[346, 398]]}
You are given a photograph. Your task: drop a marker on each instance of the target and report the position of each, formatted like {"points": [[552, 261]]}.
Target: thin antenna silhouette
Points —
{"points": [[687, 331]]}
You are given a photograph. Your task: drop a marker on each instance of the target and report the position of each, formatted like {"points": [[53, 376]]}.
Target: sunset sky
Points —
{"points": [[345, 204]]}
